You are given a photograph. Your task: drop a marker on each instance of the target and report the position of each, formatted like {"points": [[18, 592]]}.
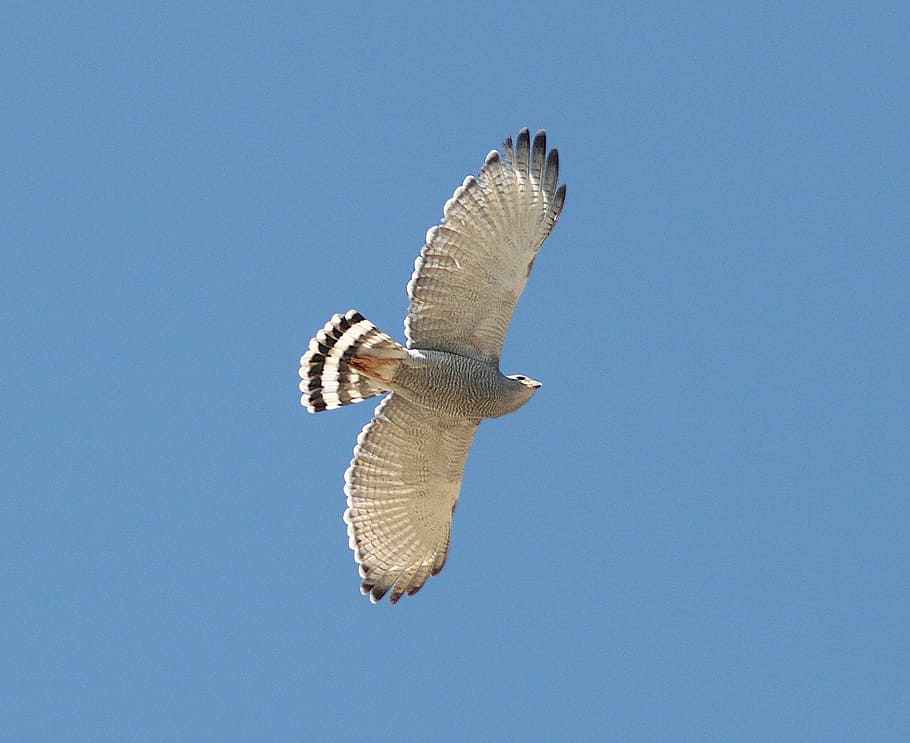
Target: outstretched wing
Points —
{"points": [[475, 264], [402, 487]]}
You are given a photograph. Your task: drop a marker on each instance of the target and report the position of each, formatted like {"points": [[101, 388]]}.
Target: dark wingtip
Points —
{"points": [[377, 593], [524, 139], [553, 160], [559, 200]]}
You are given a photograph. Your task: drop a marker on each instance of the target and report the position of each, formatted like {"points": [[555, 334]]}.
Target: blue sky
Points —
{"points": [[697, 530]]}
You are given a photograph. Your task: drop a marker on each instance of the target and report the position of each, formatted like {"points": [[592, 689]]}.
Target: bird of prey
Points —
{"points": [[405, 476]]}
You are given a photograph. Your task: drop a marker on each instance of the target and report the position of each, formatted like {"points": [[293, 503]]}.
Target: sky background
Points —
{"points": [[698, 529]]}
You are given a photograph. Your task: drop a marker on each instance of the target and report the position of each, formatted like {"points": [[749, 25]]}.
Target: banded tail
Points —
{"points": [[349, 360]]}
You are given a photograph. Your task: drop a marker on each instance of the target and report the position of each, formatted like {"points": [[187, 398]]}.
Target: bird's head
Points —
{"points": [[533, 384]]}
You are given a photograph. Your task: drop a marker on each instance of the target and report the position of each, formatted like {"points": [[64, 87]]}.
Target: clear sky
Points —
{"points": [[697, 530]]}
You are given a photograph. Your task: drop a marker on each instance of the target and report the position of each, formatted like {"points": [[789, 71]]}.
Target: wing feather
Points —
{"points": [[402, 487], [475, 263]]}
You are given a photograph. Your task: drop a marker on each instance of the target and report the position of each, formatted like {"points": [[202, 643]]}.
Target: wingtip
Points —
{"points": [[559, 200]]}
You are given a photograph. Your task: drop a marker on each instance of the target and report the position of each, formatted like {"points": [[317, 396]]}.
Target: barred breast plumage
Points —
{"points": [[459, 385]]}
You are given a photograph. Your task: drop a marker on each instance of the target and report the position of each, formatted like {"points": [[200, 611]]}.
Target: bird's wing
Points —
{"points": [[476, 262], [402, 487]]}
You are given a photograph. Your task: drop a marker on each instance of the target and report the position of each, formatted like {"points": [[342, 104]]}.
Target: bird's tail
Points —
{"points": [[349, 360]]}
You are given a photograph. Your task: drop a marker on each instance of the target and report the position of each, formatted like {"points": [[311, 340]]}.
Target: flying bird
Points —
{"points": [[403, 482]]}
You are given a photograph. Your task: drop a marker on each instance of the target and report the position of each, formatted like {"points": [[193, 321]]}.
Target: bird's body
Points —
{"points": [[459, 385], [404, 479]]}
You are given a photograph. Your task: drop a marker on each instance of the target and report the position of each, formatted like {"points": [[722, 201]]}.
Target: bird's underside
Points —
{"points": [[404, 479]]}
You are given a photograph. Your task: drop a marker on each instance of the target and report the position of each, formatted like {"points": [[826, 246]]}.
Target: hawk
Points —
{"points": [[405, 476]]}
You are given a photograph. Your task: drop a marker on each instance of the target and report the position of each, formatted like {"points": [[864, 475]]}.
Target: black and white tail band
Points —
{"points": [[327, 378]]}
